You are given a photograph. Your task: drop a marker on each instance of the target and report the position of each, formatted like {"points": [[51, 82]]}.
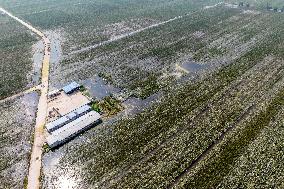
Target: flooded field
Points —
{"points": [[241, 77], [38, 50], [16, 57], [134, 105], [190, 93], [194, 67], [99, 88], [17, 119], [56, 40]]}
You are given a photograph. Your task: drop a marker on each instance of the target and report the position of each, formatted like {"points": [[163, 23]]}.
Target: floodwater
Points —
{"points": [[56, 40], [38, 50], [98, 88], [134, 105], [55, 45], [117, 38], [57, 175], [194, 67], [30, 101], [22, 110]]}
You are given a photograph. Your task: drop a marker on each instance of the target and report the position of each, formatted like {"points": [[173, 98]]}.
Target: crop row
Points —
{"points": [[214, 169], [80, 19], [157, 123], [183, 125], [175, 154], [259, 164]]}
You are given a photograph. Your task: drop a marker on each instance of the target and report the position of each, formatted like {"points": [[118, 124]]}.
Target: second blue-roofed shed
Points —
{"points": [[68, 89]]}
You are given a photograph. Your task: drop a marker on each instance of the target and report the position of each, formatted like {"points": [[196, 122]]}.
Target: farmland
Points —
{"points": [[16, 120], [15, 57], [145, 62], [263, 3], [214, 76], [136, 146], [88, 22], [265, 150], [199, 129]]}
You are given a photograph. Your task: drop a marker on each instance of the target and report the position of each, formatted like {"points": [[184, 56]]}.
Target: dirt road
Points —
{"points": [[137, 31], [21, 93], [35, 162], [125, 35]]}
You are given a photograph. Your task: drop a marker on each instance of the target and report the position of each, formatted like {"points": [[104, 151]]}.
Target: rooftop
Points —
{"points": [[56, 124], [62, 104], [72, 129], [71, 87]]}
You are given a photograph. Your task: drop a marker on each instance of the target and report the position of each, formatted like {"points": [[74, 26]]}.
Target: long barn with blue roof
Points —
{"points": [[72, 87]]}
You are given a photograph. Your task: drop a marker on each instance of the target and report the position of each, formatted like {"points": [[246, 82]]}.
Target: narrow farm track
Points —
{"points": [[21, 93], [126, 35], [117, 38], [35, 162]]}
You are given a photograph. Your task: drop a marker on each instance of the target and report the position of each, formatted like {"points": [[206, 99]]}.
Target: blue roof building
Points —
{"points": [[68, 89]]}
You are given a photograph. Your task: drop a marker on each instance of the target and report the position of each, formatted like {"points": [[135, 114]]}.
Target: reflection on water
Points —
{"points": [[98, 88], [58, 175], [55, 45], [193, 66], [37, 61], [56, 39]]}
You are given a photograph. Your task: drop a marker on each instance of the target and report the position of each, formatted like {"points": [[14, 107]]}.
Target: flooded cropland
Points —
{"points": [[17, 126], [134, 94]]}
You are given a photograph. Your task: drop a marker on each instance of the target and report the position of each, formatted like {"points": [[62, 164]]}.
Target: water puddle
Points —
{"points": [[98, 88], [136, 105], [38, 50], [55, 45], [63, 178], [194, 67]]}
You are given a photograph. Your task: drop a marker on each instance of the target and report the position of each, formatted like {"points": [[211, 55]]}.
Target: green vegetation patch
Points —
{"points": [[108, 106]]}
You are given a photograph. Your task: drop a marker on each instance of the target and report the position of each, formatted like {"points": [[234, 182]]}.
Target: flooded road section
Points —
{"points": [[38, 53]]}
